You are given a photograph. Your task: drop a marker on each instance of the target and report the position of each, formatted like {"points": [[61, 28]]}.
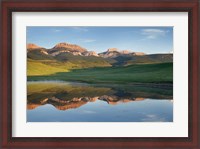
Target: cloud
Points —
{"points": [[151, 37], [88, 40], [153, 33], [57, 30]]}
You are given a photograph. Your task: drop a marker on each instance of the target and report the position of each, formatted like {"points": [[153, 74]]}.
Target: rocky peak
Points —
{"points": [[69, 46], [91, 53], [125, 52], [112, 50], [32, 46], [138, 53], [62, 44]]}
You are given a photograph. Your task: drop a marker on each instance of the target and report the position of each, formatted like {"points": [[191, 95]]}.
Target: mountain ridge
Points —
{"points": [[64, 47], [79, 56]]}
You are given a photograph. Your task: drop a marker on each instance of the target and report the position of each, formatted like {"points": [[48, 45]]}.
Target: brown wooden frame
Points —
{"points": [[9, 6]]}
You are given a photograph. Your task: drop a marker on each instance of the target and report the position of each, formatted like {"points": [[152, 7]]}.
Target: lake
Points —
{"points": [[59, 101]]}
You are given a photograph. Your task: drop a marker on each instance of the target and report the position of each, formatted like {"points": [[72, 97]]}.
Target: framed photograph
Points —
{"points": [[100, 74]]}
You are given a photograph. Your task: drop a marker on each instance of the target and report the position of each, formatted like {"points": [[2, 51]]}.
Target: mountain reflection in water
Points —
{"points": [[67, 96]]}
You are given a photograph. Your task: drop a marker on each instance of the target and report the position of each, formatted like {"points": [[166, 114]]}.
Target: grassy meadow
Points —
{"points": [[136, 73]]}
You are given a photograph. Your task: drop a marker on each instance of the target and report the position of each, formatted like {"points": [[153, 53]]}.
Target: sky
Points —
{"points": [[136, 39]]}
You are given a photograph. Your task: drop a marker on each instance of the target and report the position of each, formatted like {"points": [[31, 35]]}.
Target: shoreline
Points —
{"points": [[142, 84]]}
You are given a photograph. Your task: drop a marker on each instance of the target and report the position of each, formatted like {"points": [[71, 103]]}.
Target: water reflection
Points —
{"points": [[78, 96]]}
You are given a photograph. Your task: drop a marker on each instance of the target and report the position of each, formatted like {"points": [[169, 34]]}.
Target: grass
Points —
{"points": [[37, 68], [138, 73], [49, 67]]}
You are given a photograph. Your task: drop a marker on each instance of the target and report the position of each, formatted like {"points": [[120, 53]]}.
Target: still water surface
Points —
{"points": [[78, 102]]}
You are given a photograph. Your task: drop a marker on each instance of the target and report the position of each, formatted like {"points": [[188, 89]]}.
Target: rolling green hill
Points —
{"points": [[143, 59], [83, 61], [39, 54], [37, 68], [140, 73], [52, 66], [74, 63]]}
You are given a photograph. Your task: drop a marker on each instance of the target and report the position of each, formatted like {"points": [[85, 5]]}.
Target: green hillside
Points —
{"points": [[37, 54], [82, 61], [37, 68], [141, 73], [42, 64], [143, 59]]}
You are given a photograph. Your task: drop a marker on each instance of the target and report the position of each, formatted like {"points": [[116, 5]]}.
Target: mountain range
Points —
{"points": [[78, 50], [66, 52]]}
